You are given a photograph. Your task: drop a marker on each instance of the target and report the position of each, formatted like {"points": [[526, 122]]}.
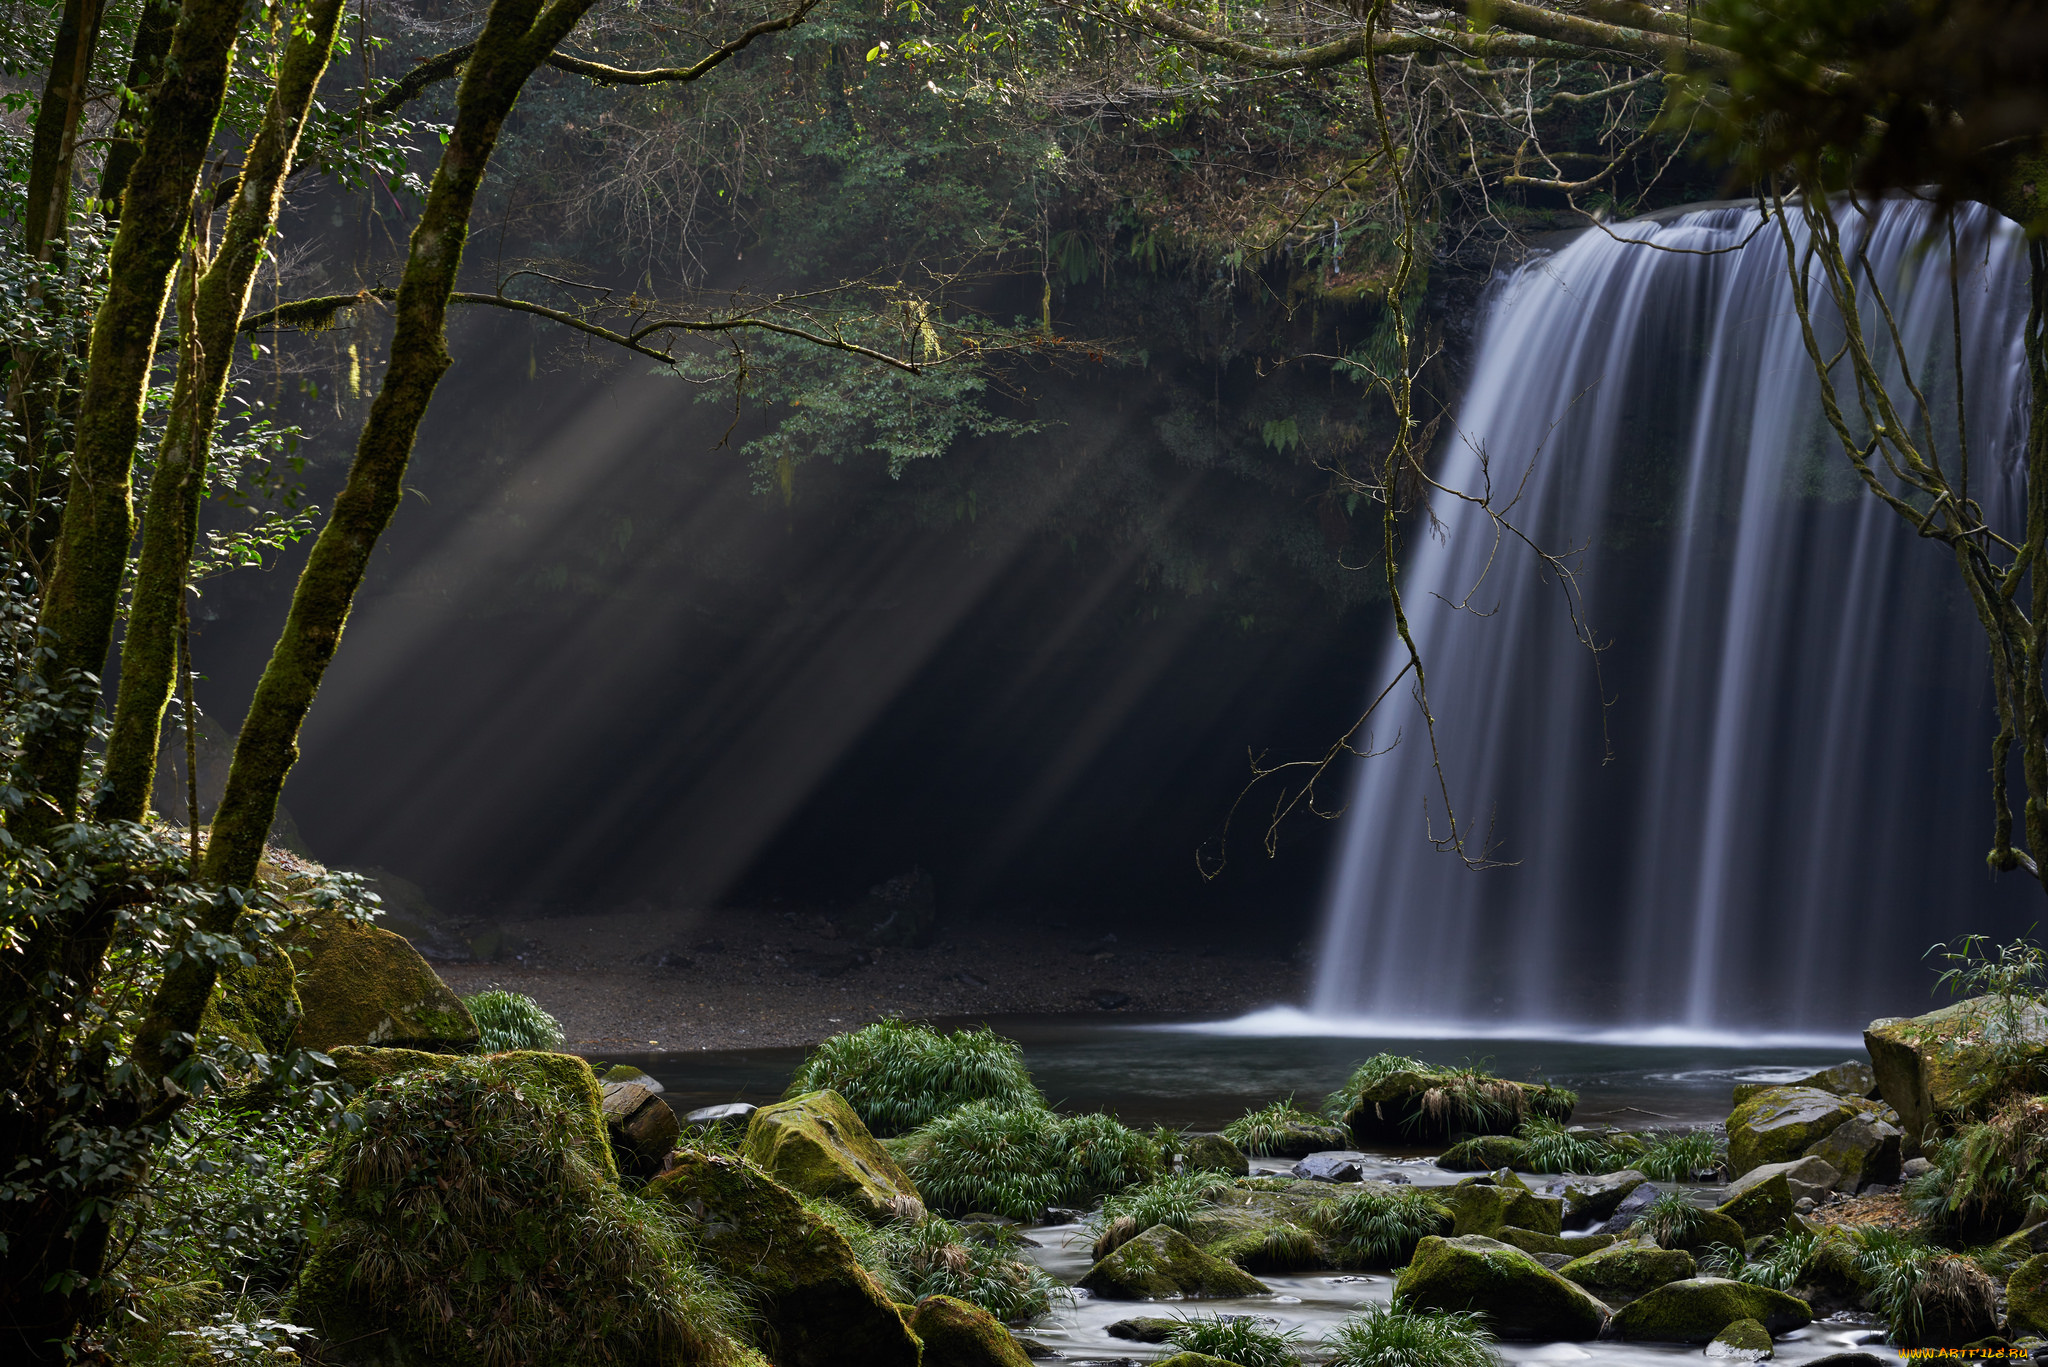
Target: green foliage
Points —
{"points": [[1679, 1156], [1785, 1263], [1550, 1147], [980, 1264], [1461, 1098], [1016, 1162], [1242, 1339], [1259, 1133], [1988, 1178], [1370, 1073], [1376, 1228], [1388, 1336], [1670, 1221], [897, 1075], [2013, 977], [512, 1020], [1173, 1199]]}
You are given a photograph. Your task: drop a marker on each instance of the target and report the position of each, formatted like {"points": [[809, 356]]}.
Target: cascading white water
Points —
{"points": [[1796, 804]]}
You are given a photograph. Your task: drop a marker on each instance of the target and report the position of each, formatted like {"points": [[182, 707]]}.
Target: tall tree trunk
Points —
{"points": [[149, 647], [153, 30], [517, 36]]}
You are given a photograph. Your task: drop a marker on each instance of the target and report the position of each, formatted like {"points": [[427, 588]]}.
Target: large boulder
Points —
{"points": [[642, 1128], [1761, 1207], [1742, 1341], [1164, 1264], [1431, 1107], [815, 1144], [817, 1306], [1946, 1066], [1520, 1297], [358, 984], [1214, 1153], [957, 1334], [1864, 1150], [2026, 1298], [256, 1005], [1570, 1245], [1782, 1123], [1695, 1310], [1850, 1077], [1482, 1207], [1593, 1199], [1619, 1273], [1804, 1177]]}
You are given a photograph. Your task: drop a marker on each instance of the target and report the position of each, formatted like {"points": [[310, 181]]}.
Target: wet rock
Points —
{"points": [[1783, 1123], [1807, 1178], [1864, 1150], [816, 1145], [1620, 1273], [1629, 1209], [641, 1127], [1299, 1141], [1941, 1068], [1695, 1310], [1742, 1341], [817, 1306], [1567, 1246], [1143, 1329], [1484, 1208], [1589, 1199], [736, 1113], [1164, 1264], [1484, 1153], [1214, 1153], [626, 1072], [1331, 1167], [957, 1334], [1520, 1297], [1761, 1208], [1851, 1077], [362, 985]]}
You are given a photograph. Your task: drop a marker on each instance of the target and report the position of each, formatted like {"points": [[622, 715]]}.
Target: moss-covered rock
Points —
{"points": [[1521, 1298], [1485, 1208], [1296, 1140], [1273, 1246], [1695, 1310], [1779, 1125], [1484, 1153], [1143, 1329], [957, 1334], [1162, 1264], [1214, 1153], [1861, 1150], [1851, 1077], [1431, 1106], [817, 1306], [815, 1144], [1620, 1273], [642, 1128], [1571, 1245], [1591, 1199], [1743, 1341], [1944, 1067], [1708, 1229], [362, 985], [2026, 1297], [1763, 1208], [256, 1006]]}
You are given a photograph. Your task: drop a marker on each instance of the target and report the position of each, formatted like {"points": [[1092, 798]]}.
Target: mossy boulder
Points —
{"points": [[1851, 1077], [1743, 1341], [1811, 1177], [1620, 1273], [1520, 1297], [1214, 1153], [817, 1305], [1779, 1125], [1863, 1150], [1143, 1329], [1588, 1200], [1571, 1245], [1763, 1208], [1485, 1207], [256, 1005], [1948, 1066], [1708, 1229], [1695, 1310], [1433, 1106], [2026, 1297], [359, 984], [816, 1145], [1296, 1140], [1485, 1153], [1164, 1264], [957, 1334]]}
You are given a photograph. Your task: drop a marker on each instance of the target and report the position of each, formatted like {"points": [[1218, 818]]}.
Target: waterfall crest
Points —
{"points": [[1799, 720]]}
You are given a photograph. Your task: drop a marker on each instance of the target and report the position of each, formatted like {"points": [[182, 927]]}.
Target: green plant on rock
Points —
{"points": [[1670, 1221], [1988, 1178], [1455, 1099], [1549, 1146], [1679, 1156], [1369, 1074], [2014, 977], [1260, 1133], [1388, 1336], [1371, 1227], [1243, 1339], [1172, 1199], [1783, 1264], [897, 1075], [935, 1257], [1915, 1284], [1016, 1162], [506, 1021]]}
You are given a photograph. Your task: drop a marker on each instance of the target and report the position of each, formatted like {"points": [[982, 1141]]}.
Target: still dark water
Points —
{"points": [[1173, 1072]]}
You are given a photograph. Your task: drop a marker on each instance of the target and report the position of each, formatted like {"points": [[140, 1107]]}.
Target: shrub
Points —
{"points": [[1241, 1339], [935, 1257], [897, 1075], [1373, 1228], [1016, 1162], [1260, 1133], [512, 1020], [1679, 1157], [1991, 1177], [470, 1225], [1388, 1336], [1926, 1295], [1548, 1146]]}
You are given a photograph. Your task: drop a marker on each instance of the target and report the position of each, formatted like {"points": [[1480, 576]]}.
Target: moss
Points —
{"points": [[1575, 1245], [1162, 1264], [1214, 1153], [1765, 1208], [1744, 1340], [362, 985], [1484, 1208], [1417, 1104], [1275, 1246], [1623, 1272], [815, 1144], [1520, 1297], [816, 1304], [2026, 1296], [256, 1006], [956, 1334], [1953, 1065], [1778, 1125], [1485, 1153], [1695, 1310]]}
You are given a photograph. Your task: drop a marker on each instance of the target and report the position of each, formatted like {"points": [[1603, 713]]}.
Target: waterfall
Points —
{"points": [[1784, 800]]}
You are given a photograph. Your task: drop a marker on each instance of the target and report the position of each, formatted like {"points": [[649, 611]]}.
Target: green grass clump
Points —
{"points": [[1374, 1228], [1680, 1157], [1370, 1073], [1173, 1199], [1466, 1098], [1670, 1221], [897, 1075], [1388, 1336], [1783, 1265], [935, 1257], [1260, 1133], [1990, 1178], [1549, 1147], [1016, 1162], [1241, 1339], [512, 1020]]}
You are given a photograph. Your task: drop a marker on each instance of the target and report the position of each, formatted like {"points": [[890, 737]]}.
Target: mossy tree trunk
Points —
{"points": [[149, 646]]}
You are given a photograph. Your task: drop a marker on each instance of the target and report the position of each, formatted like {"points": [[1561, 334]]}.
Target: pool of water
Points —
{"points": [[1177, 1072]]}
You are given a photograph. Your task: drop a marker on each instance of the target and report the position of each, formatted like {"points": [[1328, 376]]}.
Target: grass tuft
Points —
{"points": [[1173, 1199], [979, 1264], [512, 1020], [1388, 1336], [1242, 1339], [1015, 1163], [898, 1075], [1375, 1228], [1260, 1133], [1681, 1156], [1670, 1221], [1548, 1146]]}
